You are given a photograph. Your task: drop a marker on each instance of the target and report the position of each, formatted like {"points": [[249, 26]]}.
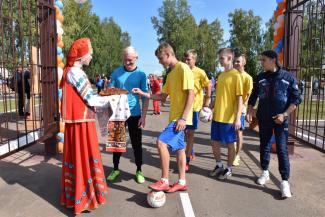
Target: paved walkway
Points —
{"points": [[30, 183]]}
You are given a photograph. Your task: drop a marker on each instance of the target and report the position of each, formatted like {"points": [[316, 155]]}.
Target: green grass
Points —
{"points": [[309, 108], [11, 105]]}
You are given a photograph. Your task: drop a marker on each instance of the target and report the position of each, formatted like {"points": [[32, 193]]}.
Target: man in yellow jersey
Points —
{"points": [[201, 81], [180, 88], [226, 114], [239, 64]]}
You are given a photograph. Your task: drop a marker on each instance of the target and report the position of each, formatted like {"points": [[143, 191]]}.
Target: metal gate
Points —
{"points": [[28, 88], [305, 56]]}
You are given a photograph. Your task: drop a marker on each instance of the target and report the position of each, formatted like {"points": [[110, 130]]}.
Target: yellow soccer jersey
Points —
{"points": [[201, 81], [229, 86], [179, 81], [247, 88]]}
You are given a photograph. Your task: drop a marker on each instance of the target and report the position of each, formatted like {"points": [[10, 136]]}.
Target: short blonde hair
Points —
{"points": [[164, 48], [191, 52], [130, 50], [227, 51]]}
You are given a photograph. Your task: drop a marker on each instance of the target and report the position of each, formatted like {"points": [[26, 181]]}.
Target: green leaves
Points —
{"points": [[268, 34], [176, 25], [246, 37], [208, 42], [108, 40], [18, 28]]}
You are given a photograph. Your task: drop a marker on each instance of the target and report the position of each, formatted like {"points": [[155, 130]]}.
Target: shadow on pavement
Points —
{"points": [[42, 179], [275, 193], [138, 197]]}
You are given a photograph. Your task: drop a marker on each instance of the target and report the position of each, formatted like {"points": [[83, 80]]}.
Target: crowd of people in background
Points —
{"points": [[102, 82]]}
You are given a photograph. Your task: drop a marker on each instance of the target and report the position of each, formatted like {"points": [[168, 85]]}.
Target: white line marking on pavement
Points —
{"points": [[187, 206]]}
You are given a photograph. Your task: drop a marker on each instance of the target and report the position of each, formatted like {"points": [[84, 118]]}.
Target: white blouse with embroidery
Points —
{"points": [[78, 78], [118, 104]]}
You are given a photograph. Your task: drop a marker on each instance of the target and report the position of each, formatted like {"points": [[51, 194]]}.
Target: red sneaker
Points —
{"points": [[177, 187], [187, 167], [159, 186]]}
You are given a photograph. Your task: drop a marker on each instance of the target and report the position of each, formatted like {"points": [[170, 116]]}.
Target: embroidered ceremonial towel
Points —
{"points": [[112, 123], [116, 140]]}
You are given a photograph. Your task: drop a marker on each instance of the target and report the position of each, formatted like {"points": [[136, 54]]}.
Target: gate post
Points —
{"points": [[292, 28], [48, 54]]}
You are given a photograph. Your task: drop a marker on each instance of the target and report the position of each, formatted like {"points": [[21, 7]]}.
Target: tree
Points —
{"points": [[176, 25], [208, 41], [268, 34], [112, 44], [246, 37], [106, 36], [19, 30]]}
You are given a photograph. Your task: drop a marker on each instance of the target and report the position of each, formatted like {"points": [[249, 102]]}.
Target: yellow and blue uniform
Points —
{"points": [[179, 82], [247, 90], [201, 81], [229, 87]]}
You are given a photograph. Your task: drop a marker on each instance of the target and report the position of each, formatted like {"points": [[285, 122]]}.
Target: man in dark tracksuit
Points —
{"points": [[278, 95]]}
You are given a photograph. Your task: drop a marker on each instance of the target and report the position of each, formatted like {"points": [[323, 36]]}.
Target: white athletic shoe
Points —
{"points": [[285, 189], [226, 174], [264, 177]]}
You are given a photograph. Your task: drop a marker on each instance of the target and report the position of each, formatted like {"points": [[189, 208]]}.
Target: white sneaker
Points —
{"points": [[227, 173], [264, 177], [285, 189]]}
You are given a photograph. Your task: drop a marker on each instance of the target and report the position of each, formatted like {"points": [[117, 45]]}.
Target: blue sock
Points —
{"points": [[188, 159]]}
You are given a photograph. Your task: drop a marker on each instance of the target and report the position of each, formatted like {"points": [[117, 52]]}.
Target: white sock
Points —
{"points": [[219, 164], [266, 172], [182, 181], [165, 180], [229, 168]]}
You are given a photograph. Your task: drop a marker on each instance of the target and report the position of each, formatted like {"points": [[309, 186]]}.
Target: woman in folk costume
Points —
{"points": [[83, 179]]}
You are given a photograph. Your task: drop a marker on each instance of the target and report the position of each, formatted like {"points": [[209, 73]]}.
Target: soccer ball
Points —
{"points": [[156, 198], [205, 114]]}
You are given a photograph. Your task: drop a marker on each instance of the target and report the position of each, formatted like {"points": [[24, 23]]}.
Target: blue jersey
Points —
{"points": [[128, 80]]}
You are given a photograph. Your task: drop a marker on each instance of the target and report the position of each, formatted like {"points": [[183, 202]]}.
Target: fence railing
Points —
{"points": [[305, 56], [25, 72]]}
